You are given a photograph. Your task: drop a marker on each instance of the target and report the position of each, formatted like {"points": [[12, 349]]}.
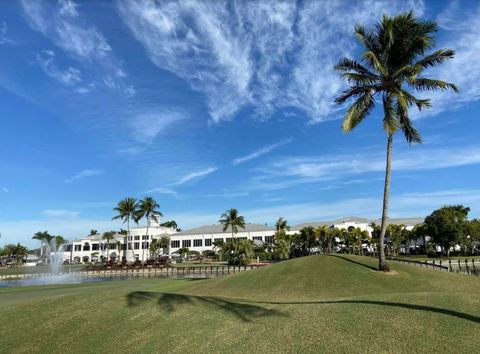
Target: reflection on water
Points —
{"points": [[76, 279]]}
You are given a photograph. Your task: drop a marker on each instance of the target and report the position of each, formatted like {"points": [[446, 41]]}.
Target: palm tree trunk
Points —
{"points": [[382, 264], [129, 241], [144, 242]]}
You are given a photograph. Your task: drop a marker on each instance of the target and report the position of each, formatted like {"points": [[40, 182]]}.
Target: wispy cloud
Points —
{"points": [[83, 174], [260, 152], [261, 54], [4, 189], [60, 214], [162, 190], [68, 77], [146, 126], [464, 70], [4, 39], [195, 175], [62, 23]]}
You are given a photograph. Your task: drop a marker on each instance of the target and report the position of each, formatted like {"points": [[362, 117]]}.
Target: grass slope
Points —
{"points": [[311, 304]]}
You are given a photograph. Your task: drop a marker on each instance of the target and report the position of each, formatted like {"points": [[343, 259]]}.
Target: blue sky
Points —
{"points": [[211, 105]]}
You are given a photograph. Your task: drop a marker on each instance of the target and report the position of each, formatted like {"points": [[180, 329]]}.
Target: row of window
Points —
{"points": [[173, 243]]}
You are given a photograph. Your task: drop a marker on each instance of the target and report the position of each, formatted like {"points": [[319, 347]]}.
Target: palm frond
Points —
{"points": [[346, 64], [373, 61], [411, 134], [358, 111], [367, 38], [424, 84], [390, 121]]}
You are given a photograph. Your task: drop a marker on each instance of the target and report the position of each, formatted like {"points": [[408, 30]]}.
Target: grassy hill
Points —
{"points": [[311, 304]]}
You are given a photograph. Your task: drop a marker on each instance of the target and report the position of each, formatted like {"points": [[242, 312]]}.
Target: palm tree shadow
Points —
{"points": [[352, 261], [443, 311], [169, 302]]}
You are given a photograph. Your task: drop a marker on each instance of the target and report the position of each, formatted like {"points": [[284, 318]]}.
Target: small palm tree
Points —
{"points": [[164, 243], [281, 225], [126, 211], [394, 59], [108, 236], [147, 208], [119, 250]]}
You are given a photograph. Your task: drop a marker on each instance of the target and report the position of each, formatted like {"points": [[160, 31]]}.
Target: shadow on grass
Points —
{"points": [[168, 302], [352, 261], [461, 315]]}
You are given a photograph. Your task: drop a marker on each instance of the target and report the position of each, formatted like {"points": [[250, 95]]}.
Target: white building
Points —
{"points": [[200, 239]]}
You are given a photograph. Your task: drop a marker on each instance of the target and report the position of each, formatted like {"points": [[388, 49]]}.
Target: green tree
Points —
{"points": [[281, 225], [108, 236], [393, 62], [93, 232], [42, 236], [231, 219], [154, 248], [148, 208], [164, 243], [396, 237], [171, 224], [126, 211], [447, 226]]}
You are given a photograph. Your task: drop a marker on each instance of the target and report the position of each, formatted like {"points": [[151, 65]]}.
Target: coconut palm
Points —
{"points": [[393, 62], [126, 211], [231, 219], [108, 236], [164, 243], [42, 237], [148, 208], [281, 225]]}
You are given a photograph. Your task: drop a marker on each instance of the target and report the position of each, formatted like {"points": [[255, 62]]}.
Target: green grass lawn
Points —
{"points": [[312, 304], [425, 258]]}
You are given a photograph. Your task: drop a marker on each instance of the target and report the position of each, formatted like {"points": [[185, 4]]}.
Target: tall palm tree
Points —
{"points": [[231, 219], [126, 210], [42, 237], [393, 61], [108, 236], [148, 208]]}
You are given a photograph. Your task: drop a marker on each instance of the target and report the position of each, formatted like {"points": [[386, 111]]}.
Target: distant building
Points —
{"points": [[91, 248]]}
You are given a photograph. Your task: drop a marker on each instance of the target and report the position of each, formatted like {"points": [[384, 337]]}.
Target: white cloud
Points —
{"points": [[4, 189], [83, 174], [161, 190], [68, 77], [60, 214], [337, 166], [4, 39], [62, 23], [260, 152], [464, 70], [267, 55], [195, 175], [146, 126]]}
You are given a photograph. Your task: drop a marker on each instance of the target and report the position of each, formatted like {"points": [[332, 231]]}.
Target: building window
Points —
{"points": [[145, 245], [197, 243], [68, 248], [137, 238], [86, 247], [95, 247], [175, 244], [218, 240], [78, 248], [113, 246], [186, 243], [241, 238], [136, 245], [145, 237], [257, 238], [208, 242], [269, 239], [129, 238], [228, 239]]}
